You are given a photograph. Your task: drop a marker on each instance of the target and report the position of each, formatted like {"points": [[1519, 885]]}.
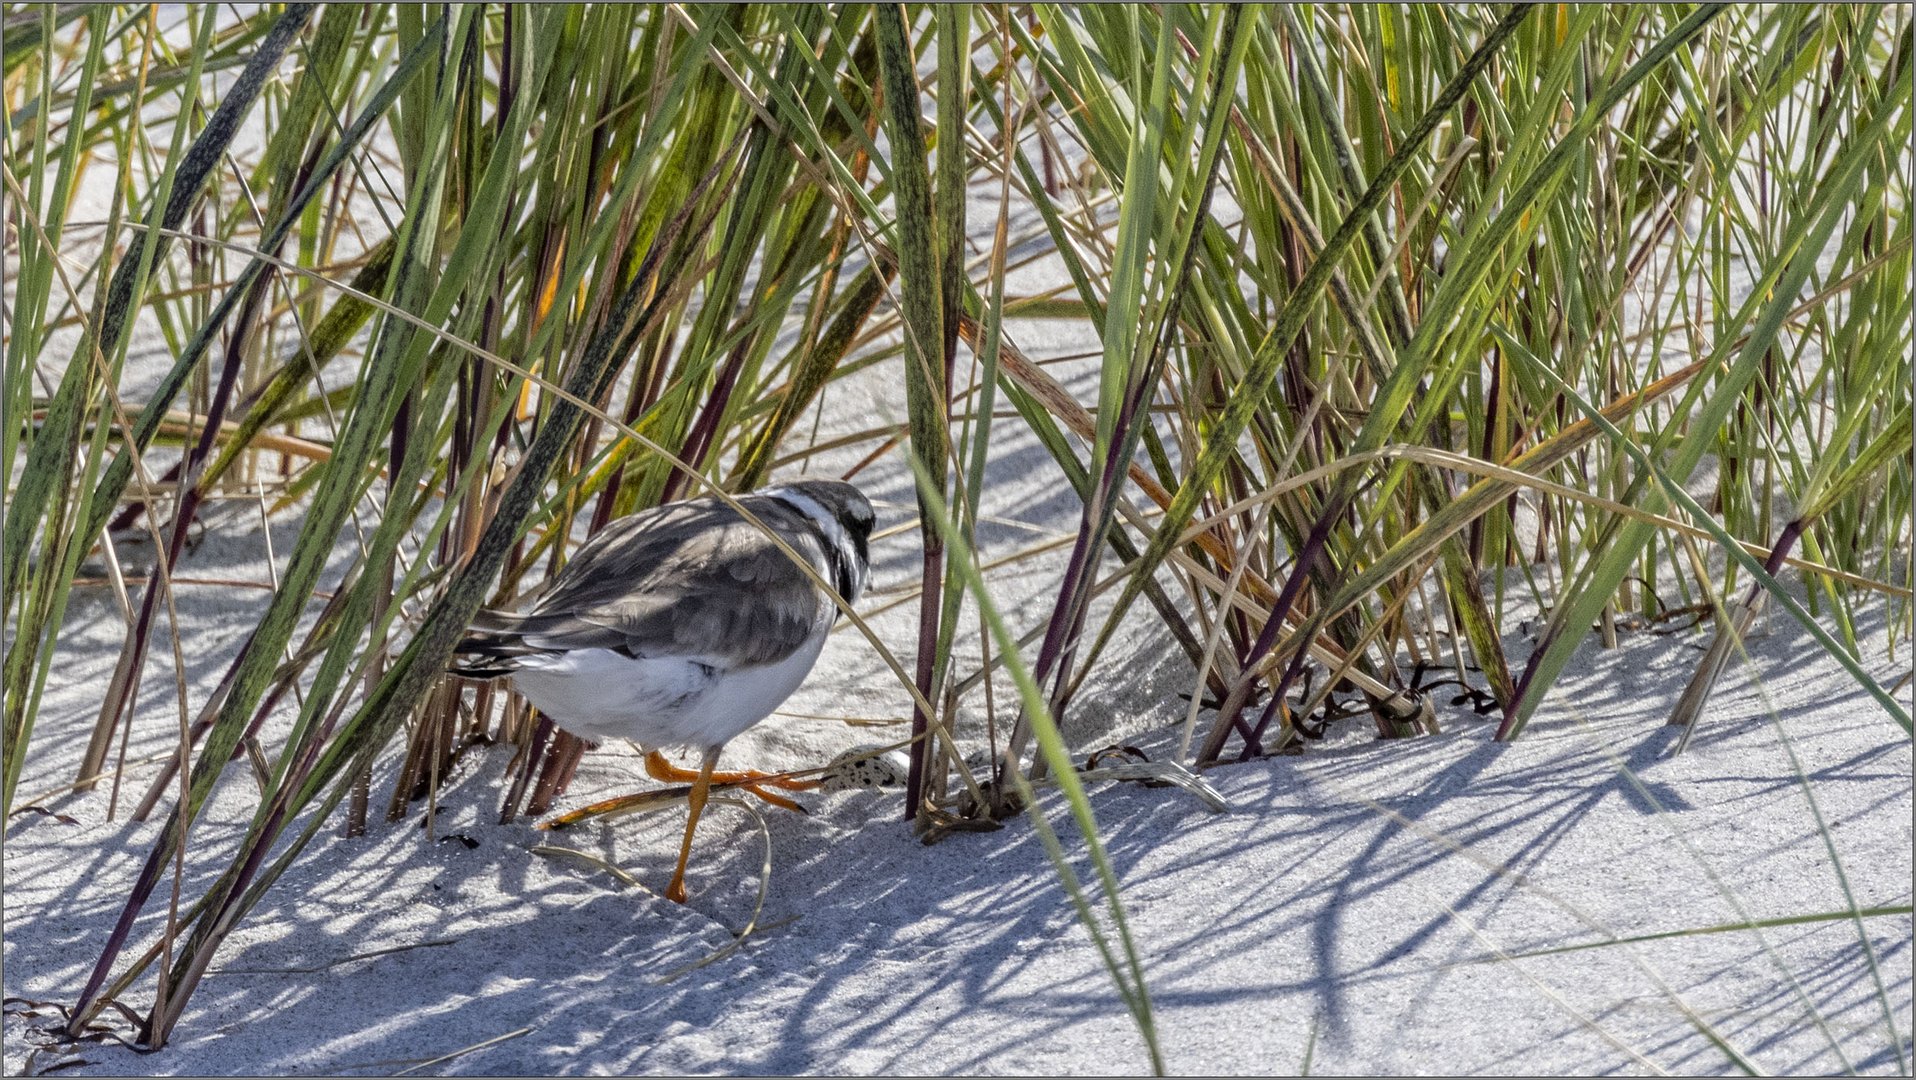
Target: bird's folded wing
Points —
{"points": [[691, 580]]}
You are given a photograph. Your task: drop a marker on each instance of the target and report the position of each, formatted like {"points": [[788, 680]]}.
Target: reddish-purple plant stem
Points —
{"points": [[931, 581], [135, 507], [1267, 636], [1785, 542], [1067, 615], [539, 739], [190, 499]]}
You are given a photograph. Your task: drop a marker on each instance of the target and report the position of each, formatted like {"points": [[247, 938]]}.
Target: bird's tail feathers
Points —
{"points": [[492, 648]]}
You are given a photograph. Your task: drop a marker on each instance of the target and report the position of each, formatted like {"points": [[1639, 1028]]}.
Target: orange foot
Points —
{"points": [[659, 768]]}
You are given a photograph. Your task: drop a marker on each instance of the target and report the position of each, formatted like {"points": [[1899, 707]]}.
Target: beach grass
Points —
{"points": [[1398, 310]]}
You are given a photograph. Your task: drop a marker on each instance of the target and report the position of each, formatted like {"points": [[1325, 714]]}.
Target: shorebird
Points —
{"points": [[682, 626]]}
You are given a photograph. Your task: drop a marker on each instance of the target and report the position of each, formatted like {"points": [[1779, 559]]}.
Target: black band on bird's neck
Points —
{"points": [[842, 570]]}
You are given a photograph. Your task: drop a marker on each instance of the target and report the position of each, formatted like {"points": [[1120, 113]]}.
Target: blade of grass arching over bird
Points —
{"points": [[1482, 249], [1128, 972], [922, 300], [1220, 444], [1777, 294]]}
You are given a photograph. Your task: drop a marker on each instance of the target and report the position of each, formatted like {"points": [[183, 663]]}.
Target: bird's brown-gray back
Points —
{"points": [[688, 578]]}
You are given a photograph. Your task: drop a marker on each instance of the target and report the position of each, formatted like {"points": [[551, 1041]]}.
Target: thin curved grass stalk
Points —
{"points": [[744, 933], [1810, 919], [611, 870]]}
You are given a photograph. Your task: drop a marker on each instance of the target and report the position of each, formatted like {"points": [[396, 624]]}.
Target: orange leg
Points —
{"points": [[658, 767], [675, 891]]}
